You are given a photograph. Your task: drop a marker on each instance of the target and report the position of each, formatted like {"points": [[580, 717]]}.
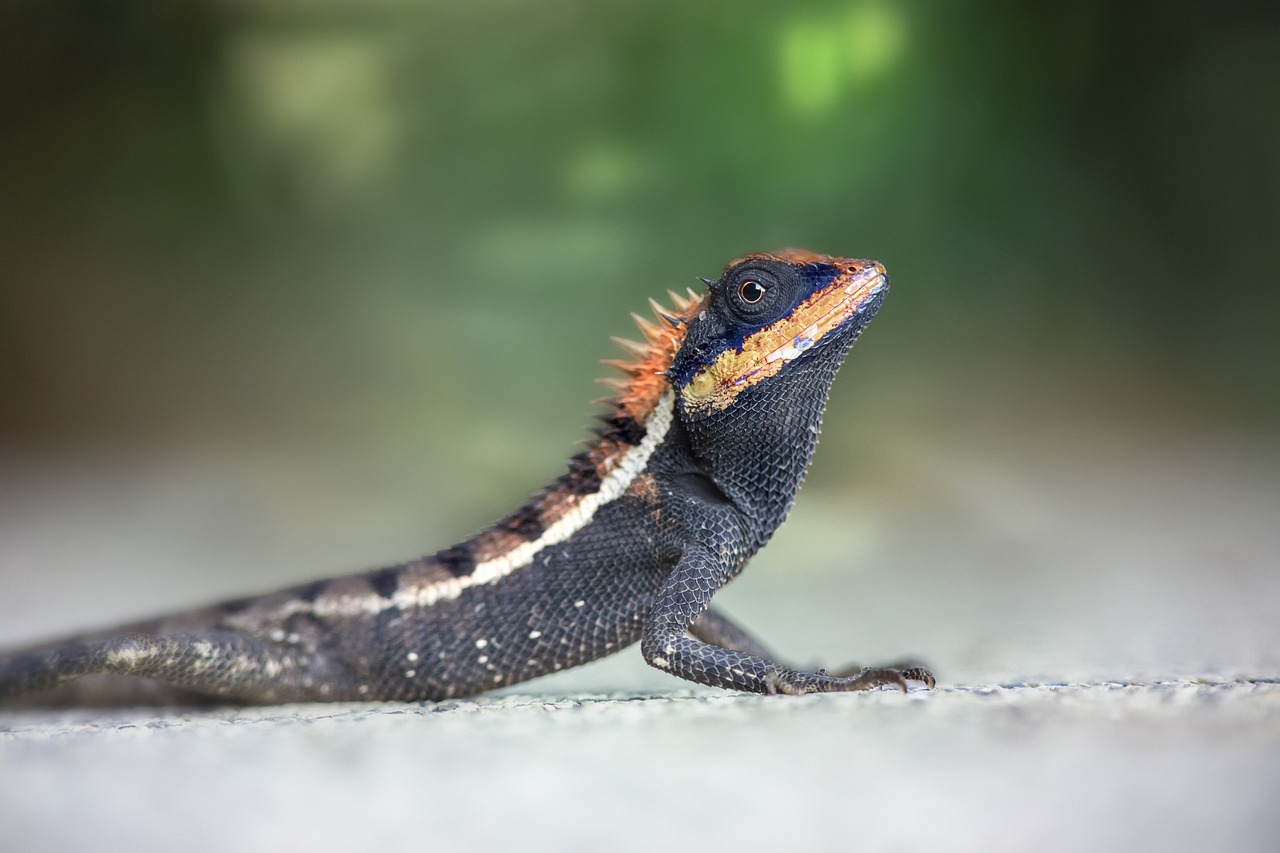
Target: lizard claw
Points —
{"points": [[919, 673], [908, 670], [870, 678], [886, 676]]}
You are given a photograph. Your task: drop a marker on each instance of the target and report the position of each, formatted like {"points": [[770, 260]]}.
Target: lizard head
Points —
{"points": [[766, 315]]}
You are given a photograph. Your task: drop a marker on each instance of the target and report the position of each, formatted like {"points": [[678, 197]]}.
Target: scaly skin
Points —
{"points": [[697, 464]]}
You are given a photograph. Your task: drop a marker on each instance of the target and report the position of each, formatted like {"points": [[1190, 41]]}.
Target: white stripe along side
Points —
{"points": [[630, 466]]}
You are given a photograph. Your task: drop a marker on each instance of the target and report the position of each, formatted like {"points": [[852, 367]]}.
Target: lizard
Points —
{"points": [[697, 461]]}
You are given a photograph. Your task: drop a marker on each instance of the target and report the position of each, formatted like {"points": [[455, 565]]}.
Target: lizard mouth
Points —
{"points": [[832, 308], [843, 305]]}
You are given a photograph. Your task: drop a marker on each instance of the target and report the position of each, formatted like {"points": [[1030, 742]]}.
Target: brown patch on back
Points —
{"points": [[644, 488], [426, 572], [528, 522], [345, 593], [493, 542]]}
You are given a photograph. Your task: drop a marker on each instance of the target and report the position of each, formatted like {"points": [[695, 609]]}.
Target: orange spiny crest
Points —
{"points": [[652, 331], [637, 350], [616, 384], [631, 368], [683, 303], [644, 385]]}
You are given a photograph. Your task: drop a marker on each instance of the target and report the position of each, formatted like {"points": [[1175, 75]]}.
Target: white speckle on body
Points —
{"points": [[579, 603], [533, 635], [481, 643], [411, 657], [125, 658], [410, 673], [482, 659]]}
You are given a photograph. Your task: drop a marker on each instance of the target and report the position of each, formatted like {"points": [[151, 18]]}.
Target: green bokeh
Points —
{"points": [[233, 216]]}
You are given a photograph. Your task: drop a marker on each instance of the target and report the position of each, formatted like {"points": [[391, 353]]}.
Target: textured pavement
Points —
{"points": [[1104, 766], [1102, 610]]}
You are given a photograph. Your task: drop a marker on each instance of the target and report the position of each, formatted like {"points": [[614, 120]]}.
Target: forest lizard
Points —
{"points": [[697, 463]]}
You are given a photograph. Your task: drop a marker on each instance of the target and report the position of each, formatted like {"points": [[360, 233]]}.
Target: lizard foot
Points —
{"points": [[865, 678], [910, 670]]}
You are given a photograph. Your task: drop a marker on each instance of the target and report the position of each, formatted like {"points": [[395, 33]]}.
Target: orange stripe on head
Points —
{"points": [[765, 352]]}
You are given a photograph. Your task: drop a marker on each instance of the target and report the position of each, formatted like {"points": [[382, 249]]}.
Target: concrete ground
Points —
{"points": [[1103, 613], [1103, 766]]}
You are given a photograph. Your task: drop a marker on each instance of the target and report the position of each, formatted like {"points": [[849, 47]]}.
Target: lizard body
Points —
{"points": [[697, 463]]}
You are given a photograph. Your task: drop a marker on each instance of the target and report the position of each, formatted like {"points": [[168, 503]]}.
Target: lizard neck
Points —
{"points": [[758, 450]]}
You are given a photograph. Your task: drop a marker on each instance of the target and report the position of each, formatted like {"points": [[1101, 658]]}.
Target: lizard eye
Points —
{"points": [[757, 292], [751, 291]]}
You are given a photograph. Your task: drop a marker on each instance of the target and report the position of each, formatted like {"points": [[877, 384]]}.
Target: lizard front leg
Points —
{"points": [[734, 660], [716, 629]]}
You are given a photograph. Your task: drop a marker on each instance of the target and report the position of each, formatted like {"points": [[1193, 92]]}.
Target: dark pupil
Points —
{"points": [[751, 291]]}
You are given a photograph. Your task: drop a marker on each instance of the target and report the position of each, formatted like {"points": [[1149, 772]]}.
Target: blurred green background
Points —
{"points": [[232, 205], [391, 239]]}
